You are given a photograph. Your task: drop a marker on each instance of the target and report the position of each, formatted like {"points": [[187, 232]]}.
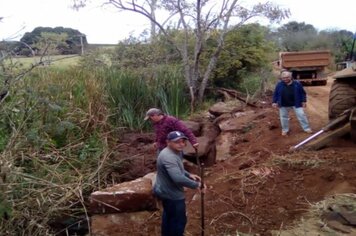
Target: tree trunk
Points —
{"points": [[214, 58], [153, 6]]}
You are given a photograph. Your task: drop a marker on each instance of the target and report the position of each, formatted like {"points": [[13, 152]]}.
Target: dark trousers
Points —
{"points": [[174, 217]]}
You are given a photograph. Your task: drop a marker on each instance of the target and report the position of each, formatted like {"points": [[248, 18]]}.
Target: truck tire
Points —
{"points": [[342, 97]]}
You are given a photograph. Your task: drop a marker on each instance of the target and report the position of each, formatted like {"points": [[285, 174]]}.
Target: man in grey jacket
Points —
{"points": [[170, 182]]}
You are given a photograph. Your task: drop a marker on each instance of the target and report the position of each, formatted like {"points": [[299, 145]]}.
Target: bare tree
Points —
{"points": [[202, 18]]}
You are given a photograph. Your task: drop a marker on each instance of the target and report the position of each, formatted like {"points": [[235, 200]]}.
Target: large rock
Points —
{"points": [[206, 150], [195, 127], [221, 107], [223, 144], [210, 130], [151, 176], [130, 196], [241, 121], [123, 224]]}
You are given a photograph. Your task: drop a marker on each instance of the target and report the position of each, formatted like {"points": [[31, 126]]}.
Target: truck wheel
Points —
{"points": [[342, 97]]}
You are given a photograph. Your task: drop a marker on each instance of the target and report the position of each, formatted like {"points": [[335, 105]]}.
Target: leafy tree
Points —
{"points": [[294, 36], [72, 45], [49, 43], [340, 43], [200, 18], [245, 49], [134, 53]]}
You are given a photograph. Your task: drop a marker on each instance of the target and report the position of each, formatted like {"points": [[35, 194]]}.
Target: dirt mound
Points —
{"points": [[273, 193]]}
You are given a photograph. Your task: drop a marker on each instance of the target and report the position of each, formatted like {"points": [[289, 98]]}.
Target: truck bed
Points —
{"points": [[304, 59]]}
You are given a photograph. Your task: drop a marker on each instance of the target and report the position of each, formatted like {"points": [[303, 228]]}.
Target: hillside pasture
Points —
{"points": [[57, 61]]}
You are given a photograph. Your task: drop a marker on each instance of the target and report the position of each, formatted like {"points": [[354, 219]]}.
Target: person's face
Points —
{"points": [[155, 118], [177, 145], [286, 79]]}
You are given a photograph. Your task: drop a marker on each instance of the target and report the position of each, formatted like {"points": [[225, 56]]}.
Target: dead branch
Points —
{"points": [[231, 213], [235, 94]]}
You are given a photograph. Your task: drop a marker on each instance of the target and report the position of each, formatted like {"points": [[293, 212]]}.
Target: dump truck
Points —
{"points": [[308, 67], [342, 107]]}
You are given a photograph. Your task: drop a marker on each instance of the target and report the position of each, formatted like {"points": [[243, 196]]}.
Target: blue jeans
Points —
{"points": [[299, 112], [174, 217]]}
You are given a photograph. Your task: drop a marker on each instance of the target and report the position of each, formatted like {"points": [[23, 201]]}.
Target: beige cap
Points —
{"points": [[151, 112]]}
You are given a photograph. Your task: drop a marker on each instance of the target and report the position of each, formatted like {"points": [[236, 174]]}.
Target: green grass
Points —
{"points": [[132, 94], [102, 46], [57, 61]]}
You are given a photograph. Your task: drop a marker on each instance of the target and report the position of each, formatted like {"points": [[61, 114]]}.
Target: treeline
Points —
{"points": [[47, 40], [295, 36], [247, 51]]}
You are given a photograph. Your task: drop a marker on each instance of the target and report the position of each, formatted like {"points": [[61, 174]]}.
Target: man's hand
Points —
{"points": [[275, 105], [195, 177]]}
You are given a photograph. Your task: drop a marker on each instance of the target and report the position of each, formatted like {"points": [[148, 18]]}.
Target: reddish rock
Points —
{"points": [[223, 145], [221, 107], [195, 127], [238, 122], [206, 151], [134, 223], [124, 197]]}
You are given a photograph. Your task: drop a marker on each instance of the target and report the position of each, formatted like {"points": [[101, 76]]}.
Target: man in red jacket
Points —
{"points": [[164, 124]]}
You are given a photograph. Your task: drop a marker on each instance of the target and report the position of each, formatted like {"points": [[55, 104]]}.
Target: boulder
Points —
{"points": [[239, 122], [151, 176], [223, 144], [123, 224], [195, 127], [210, 130], [130, 196], [206, 150], [225, 107]]}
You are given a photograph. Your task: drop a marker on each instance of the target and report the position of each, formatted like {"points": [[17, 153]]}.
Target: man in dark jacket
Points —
{"points": [[170, 182], [163, 124], [290, 94]]}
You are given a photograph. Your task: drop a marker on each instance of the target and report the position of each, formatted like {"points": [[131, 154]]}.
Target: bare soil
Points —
{"points": [[263, 187]]}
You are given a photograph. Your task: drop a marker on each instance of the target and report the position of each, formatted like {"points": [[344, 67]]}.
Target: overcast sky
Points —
{"points": [[106, 25]]}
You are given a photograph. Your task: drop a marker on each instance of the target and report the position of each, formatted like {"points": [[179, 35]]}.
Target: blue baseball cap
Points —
{"points": [[176, 135]]}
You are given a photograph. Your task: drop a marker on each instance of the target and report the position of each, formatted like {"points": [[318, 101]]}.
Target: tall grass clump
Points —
{"points": [[171, 94], [57, 136], [132, 94], [54, 146]]}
